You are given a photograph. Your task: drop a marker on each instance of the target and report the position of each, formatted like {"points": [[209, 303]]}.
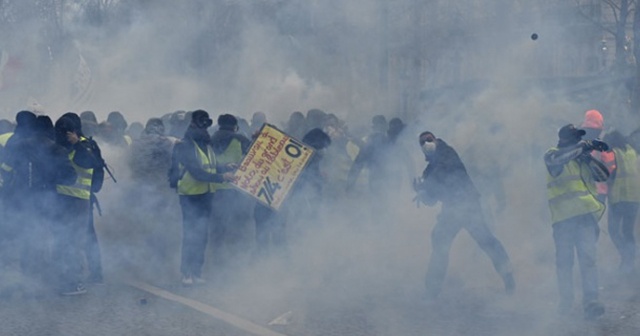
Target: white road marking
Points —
{"points": [[207, 309], [283, 319]]}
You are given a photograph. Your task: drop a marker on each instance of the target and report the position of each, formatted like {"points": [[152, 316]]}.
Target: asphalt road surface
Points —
{"points": [[123, 307]]}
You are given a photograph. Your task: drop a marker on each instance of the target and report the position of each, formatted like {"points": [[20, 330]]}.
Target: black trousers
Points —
{"points": [[196, 215], [92, 250], [576, 236], [270, 230], [69, 236], [230, 226], [450, 222], [622, 220]]}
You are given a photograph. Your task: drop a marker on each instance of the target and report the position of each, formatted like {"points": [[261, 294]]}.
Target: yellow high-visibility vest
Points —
{"points": [[4, 138], [569, 194], [188, 185], [233, 154], [82, 187], [625, 187]]}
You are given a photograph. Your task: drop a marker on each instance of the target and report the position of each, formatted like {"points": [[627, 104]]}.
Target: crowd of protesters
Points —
{"points": [[52, 174]]}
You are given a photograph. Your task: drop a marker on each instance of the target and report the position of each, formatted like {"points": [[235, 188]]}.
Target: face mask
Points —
{"points": [[204, 123], [429, 148]]}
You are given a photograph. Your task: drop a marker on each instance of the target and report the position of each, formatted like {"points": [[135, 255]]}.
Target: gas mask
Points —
{"points": [[203, 123], [429, 149]]}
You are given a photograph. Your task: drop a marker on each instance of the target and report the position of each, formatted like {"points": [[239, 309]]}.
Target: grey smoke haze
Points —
{"points": [[281, 56]]}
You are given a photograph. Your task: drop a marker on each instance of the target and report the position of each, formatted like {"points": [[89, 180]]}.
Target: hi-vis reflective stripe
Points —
{"points": [[85, 178], [568, 196], [82, 187], [563, 179]]}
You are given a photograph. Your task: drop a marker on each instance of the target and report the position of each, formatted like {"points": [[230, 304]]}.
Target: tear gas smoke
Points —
{"points": [[467, 75]]}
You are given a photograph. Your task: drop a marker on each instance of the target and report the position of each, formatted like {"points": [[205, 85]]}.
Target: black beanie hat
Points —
{"points": [[317, 139], [25, 118], [227, 120], [201, 118], [75, 119], [570, 132], [25, 122]]}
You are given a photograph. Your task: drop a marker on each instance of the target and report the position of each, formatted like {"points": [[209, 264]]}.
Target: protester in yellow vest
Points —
{"points": [[198, 173], [624, 199], [230, 233], [575, 212], [70, 231], [91, 248]]}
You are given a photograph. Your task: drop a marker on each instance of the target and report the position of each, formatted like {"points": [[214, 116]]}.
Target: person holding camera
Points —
{"points": [[575, 211]]}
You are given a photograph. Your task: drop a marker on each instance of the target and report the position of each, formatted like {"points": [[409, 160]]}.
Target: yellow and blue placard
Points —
{"points": [[271, 167]]}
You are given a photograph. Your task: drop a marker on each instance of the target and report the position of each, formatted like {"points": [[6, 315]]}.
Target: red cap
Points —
{"points": [[593, 119]]}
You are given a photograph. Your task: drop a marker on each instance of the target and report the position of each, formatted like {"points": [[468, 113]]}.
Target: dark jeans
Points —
{"points": [[622, 219], [35, 257], [450, 222], [578, 234], [92, 251], [270, 230], [230, 230], [69, 235], [196, 215]]}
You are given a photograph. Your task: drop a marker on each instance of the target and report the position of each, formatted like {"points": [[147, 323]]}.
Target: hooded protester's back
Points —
{"points": [[37, 162], [150, 156]]}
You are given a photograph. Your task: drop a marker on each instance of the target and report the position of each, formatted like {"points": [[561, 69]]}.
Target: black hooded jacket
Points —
{"points": [[150, 157], [38, 164], [445, 179]]}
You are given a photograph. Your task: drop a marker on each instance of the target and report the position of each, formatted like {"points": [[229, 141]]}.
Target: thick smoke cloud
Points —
{"points": [[483, 86]]}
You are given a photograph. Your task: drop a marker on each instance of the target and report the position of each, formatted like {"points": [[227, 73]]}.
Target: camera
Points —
{"points": [[597, 145]]}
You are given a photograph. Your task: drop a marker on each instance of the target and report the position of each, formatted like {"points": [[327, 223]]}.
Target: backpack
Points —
{"points": [[175, 171], [99, 165]]}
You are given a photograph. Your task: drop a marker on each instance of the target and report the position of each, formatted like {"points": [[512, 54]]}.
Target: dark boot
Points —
{"points": [[593, 310]]}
